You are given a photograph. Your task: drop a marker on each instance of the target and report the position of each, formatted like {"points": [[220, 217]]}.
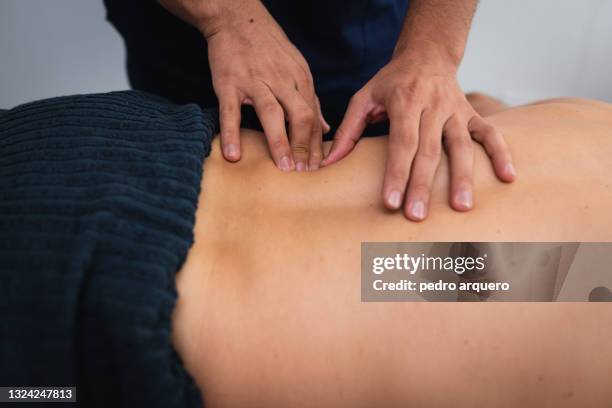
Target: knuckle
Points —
{"points": [[404, 93], [462, 180], [451, 138], [398, 171], [229, 134], [358, 98], [300, 148], [316, 155], [304, 79], [494, 137], [228, 109], [407, 144], [304, 118], [343, 135], [489, 131], [430, 149], [399, 96], [225, 75], [271, 108], [500, 155], [309, 77], [460, 142], [467, 146], [277, 144], [355, 99], [420, 188]]}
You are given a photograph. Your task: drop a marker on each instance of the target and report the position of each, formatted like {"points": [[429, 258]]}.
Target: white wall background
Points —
{"points": [[522, 50], [519, 50], [57, 47]]}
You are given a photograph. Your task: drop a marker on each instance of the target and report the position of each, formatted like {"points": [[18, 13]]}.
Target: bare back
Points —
{"points": [[273, 277]]}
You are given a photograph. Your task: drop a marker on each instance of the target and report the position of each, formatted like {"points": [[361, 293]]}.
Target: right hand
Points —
{"points": [[253, 62]]}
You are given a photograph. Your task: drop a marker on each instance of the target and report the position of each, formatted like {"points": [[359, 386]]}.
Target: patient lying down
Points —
{"points": [[269, 312]]}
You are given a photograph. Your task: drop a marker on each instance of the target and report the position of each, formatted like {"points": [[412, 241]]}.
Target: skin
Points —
{"points": [[253, 63], [269, 310], [417, 91]]}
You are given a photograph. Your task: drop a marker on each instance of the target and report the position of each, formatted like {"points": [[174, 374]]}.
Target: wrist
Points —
{"points": [[212, 16], [222, 14], [433, 54]]}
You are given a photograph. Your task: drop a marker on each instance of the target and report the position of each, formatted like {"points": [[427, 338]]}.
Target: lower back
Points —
{"points": [[275, 267]]}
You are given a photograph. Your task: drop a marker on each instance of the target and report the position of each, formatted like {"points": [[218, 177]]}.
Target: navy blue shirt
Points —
{"points": [[344, 42]]}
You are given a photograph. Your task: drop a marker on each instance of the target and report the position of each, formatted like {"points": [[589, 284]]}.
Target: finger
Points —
{"points": [[424, 167], [461, 163], [316, 152], [403, 142], [324, 125], [272, 118], [351, 128], [377, 115], [496, 147], [316, 141], [305, 86], [303, 122], [229, 116]]}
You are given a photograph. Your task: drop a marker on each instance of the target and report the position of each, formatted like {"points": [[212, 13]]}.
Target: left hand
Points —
{"points": [[423, 103]]}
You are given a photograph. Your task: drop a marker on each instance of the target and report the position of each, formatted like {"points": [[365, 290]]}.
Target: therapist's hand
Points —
{"points": [[424, 105], [253, 62]]}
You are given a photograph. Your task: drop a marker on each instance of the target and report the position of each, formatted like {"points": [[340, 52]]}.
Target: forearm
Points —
{"points": [[436, 30]]}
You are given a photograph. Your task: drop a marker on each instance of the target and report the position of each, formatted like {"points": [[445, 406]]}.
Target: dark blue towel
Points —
{"points": [[98, 196]]}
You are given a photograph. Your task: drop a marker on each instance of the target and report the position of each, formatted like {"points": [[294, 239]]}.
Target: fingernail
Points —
{"points": [[314, 166], [464, 200], [285, 163], [300, 166], [417, 210], [510, 170], [394, 199], [231, 152]]}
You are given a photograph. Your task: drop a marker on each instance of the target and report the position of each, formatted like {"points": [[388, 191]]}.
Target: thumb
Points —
{"points": [[350, 130]]}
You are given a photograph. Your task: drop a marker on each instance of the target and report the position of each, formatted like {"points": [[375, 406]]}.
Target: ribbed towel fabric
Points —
{"points": [[98, 195]]}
